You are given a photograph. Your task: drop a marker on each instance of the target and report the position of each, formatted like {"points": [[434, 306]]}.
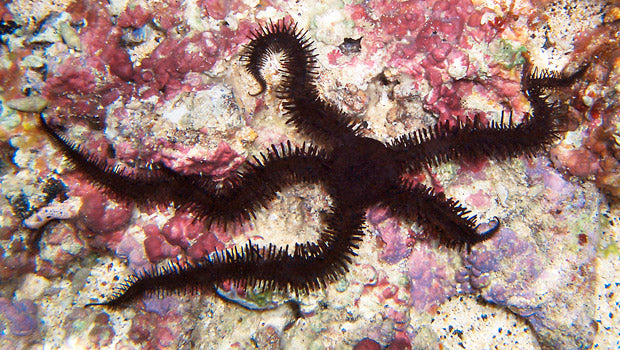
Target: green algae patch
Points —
{"points": [[509, 55]]}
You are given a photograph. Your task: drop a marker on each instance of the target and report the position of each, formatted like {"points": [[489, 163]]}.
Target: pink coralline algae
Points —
{"points": [[218, 9], [219, 164], [84, 84], [157, 249], [397, 246], [367, 344], [205, 244], [579, 162], [154, 332], [69, 83], [101, 215], [479, 199], [180, 230], [538, 170], [430, 41], [163, 70], [181, 233]]}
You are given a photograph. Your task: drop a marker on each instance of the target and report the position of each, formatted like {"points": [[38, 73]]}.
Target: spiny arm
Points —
{"points": [[234, 200], [305, 109], [145, 187], [474, 140], [256, 184], [440, 217], [309, 267]]}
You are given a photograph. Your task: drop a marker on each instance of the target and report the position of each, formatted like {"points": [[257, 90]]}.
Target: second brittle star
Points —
{"points": [[357, 172]]}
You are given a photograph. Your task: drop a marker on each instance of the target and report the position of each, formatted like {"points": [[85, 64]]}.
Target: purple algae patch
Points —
{"points": [[395, 248], [159, 306], [21, 316], [430, 284]]}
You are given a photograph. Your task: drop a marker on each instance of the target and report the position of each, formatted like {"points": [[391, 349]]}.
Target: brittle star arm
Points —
{"points": [[474, 140], [440, 217], [305, 109], [235, 200], [309, 267]]}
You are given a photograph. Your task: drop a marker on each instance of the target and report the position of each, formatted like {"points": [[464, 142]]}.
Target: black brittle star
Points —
{"points": [[357, 172]]}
